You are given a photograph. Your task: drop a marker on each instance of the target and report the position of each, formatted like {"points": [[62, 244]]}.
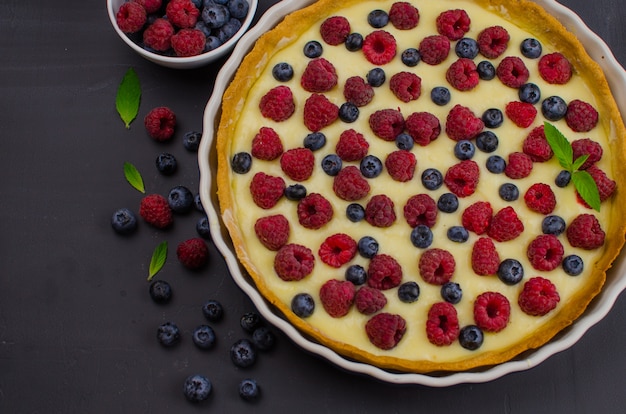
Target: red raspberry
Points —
{"points": [[555, 68], [540, 198], [294, 262], [545, 252], [423, 127], [379, 211], [314, 211], [158, 35], [193, 253], [538, 297], [436, 266], [368, 300], [266, 145], [384, 272], [277, 104], [521, 113], [337, 296], [160, 123], [352, 146], [536, 145], [379, 47], [505, 225], [485, 258], [442, 325], [298, 163], [155, 210], [357, 91], [349, 184], [151, 6], [461, 123], [586, 146], [406, 86], [403, 15], [493, 41], [512, 72], [188, 42], [131, 17], [585, 232], [401, 165], [421, 209], [334, 30], [519, 165], [319, 76], [182, 13], [492, 311], [453, 24], [272, 231], [462, 75], [434, 49], [477, 217], [385, 330], [319, 112], [581, 116], [606, 186], [337, 250], [462, 178], [266, 190], [387, 123]]}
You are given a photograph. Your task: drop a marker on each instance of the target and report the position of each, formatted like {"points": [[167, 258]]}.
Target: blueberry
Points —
{"points": [[348, 112], [411, 57], [421, 236], [356, 274], [404, 141], [508, 192], [448, 203], [451, 292], [215, 15], [331, 164], [204, 337], [573, 265], [160, 291], [486, 71], [432, 178], [238, 8], [227, 31], [197, 388], [202, 227], [314, 141], [492, 118], [531, 48], [212, 43], [213, 310], [458, 234], [282, 72], [371, 166], [263, 339], [242, 353], [408, 292], [440, 95], [303, 305], [180, 199], [197, 202], [205, 3], [496, 164], [553, 108], [241, 162], [198, 4], [124, 221], [295, 192], [378, 18], [368, 247], [553, 224], [466, 48], [510, 272], [376, 77], [487, 141], [464, 150], [191, 140], [313, 49], [471, 337], [529, 93], [563, 178], [354, 42], [250, 321], [249, 390], [166, 163], [355, 212], [168, 334], [203, 28]]}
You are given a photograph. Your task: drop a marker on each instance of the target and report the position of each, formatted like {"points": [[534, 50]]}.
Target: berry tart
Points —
{"points": [[424, 186]]}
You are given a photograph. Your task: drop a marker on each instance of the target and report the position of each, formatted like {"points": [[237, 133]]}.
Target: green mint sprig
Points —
{"points": [[562, 148], [133, 177], [128, 97], [158, 259]]}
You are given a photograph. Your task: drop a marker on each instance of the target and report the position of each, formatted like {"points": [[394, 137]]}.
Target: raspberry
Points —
{"points": [[453, 24], [337, 250], [586, 146], [421, 209], [462, 178], [188, 42], [131, 17], [319, 76], [352, 146], [540, 198], [442, 325], [401, 165], [319, 112], [512, 72], [193, 253], [384, 272], [155, 210], [606, 186], [545, 252], [436, 266], [334, 30], [151, 6], [379, 47], [182, 13], [266, 190], [406, 86], [521, 113], [379, 211], [387, 123], [357, 91], [160, 123], [477, 217], [491, 311], [272, 231], [555, 68], [349, 184], [519, 165], [158, 35], [266, 145], [462, 75], [277, 104], [505, 225], [434, 49], [385, 330], [423, 127], [337, 297], [493, 41], [403, 15], [536, 145], [581, 116], [538, 297], [461, 123], [369, 300], [293, 262], [585, 232], [485, 258], [298, 163], [314, 211]]}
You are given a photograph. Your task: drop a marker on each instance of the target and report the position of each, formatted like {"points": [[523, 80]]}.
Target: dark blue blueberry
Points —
{"points": [[205, 3], [313, 49], [348, 112], [355, 212], [203, 28], [404, 141], [487, 141], [213, 310], [197, 388], [356, 274], [510, 272], [451, 292], [531, 48], [553, 108], [573, 265], [198, 4], [411, 57], [295, 192], [249, 389], [250, 321], [492, 118], [471, 337], [368, 247], [227, 31], [303, 305], [204, 337], [331, 164], [529, 93], [238, 8], [124, 221], [376, 77], [440, 95], [432, 178], [466, 48], [378, 18], [421, 236], [486, 71], [508, 192], [191, 140], [553, 225], [314, 141], [282, 72], [263, 339], [203, 228], [241, 162], [408, 292], [243, 353], [496, 164], [563, 179], [160, 291], [180, 199], [371, 166], [215, 15], [464, 150], [212, 43], [168, 334], [458, 234], [166, 163], [448, 203], [197, 202], [354, 42]]}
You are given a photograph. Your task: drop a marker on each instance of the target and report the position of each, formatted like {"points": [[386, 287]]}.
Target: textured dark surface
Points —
{"points": [[77, 327]]}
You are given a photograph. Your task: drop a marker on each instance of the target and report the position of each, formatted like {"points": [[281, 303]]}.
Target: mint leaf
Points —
{"points": [[579, 162], [128, 97], [560, 146], [133, 177], [587, 188], [158, 259]]}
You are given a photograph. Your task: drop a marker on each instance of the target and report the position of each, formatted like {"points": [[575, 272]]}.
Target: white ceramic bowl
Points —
{"points": [[601, 305], [182, 62]]}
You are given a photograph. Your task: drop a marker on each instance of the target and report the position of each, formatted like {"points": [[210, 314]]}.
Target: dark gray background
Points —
{"points": [[77, 327]]}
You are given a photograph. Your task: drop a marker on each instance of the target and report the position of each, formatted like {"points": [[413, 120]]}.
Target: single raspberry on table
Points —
{"points": [[337, 250], [545, 252], [158, 35], [368, 300], [434, 49], [403, 15], [352, 146], [554, 68], [155, 210], [278, 104], [272, 231], [606, 186], [540, 198], [188, 42], [477, 217], [406, 86], [319, 112], [462, 123], [587, 146], [385, 330], [131, 17], [334, 30], [298, 163], [193, 253], [436, 266], [493, 41], [266, 190], [350, 185], [160, 123], [151, 6], [423, 127], [512, 72], [485, 257], [182, 13], [314, 211], [379, 211], [400, 165], [294, 262], [492, 311], [421, 209], [319, 76], [384, 272], [585, 232], [462, 178], [387, 123], [519, 165], [442, 325], [379, 47], [505, 225], [462, 75], [357, 91], [453, 23], [266, 144], [536, 145], [581, 116], [521, 113], [337, 296], [538, 297]]}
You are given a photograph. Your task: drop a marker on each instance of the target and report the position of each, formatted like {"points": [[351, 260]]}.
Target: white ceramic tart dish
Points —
{"points": [[415, 356]]}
